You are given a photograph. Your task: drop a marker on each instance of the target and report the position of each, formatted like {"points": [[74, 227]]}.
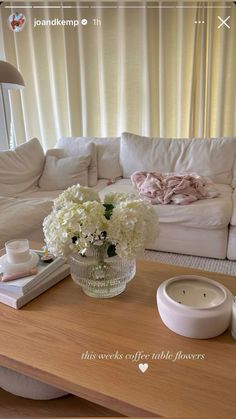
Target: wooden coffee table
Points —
{"points": [[59, 337]]}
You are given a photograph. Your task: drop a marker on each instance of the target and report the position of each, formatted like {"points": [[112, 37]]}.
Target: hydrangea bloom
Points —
{"points": [[77, 194], [132, 223], [79, 220], [85, 222]]}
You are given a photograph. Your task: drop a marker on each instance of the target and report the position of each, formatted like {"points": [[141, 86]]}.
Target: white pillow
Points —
{"points": [[108, 155], [60, 173], [59, 153], [73, 146], [212, 157], [20, 169]]}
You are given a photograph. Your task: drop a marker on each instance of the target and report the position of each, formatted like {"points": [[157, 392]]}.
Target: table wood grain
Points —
{"points": [[48, 338]]}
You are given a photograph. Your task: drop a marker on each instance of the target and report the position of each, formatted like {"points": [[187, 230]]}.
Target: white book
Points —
{"points": [[23, 285], [13, 300]]}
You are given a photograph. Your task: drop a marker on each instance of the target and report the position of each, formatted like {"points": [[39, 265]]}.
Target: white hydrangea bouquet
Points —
{"points": [[117, 226], [79, 219]]}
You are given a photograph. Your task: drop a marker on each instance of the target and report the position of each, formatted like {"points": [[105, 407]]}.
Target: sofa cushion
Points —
{"points": [[208, 213], [19, 217], [108, 154], [108, 157], [212, 157], [231, 248], [74, 146], [60, 173], [233, 216], [20, 169]]}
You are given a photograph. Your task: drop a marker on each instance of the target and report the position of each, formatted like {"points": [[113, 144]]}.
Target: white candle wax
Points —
{"points": [[17, 251], [195, 293], [233, 328]]}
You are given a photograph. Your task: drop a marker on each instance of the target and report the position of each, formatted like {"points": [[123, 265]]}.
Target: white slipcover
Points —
{"points": [[21, 169], [108, 153], [79, 147], [208, 213], [208, 157]]}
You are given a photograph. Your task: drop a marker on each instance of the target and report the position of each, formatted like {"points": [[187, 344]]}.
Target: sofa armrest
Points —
{"points": [[233, 216]]}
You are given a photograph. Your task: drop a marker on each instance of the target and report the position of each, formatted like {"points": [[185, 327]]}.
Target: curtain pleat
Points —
{"points": [[149, 71]]}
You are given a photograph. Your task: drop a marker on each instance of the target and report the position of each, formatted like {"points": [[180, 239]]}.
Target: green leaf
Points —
{"points": [[108, 210], [74, 239], [111, 251]]}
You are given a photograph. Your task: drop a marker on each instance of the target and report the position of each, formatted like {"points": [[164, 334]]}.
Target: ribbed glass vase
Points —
{"points": [[101, 276]]}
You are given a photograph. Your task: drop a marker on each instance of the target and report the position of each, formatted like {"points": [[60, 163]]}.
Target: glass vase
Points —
{"points": [[101, 276]]}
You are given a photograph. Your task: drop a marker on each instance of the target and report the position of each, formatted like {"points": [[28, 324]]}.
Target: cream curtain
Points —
{"points": [[149, 71]]}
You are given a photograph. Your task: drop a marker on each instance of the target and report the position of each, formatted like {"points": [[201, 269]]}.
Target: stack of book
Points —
{"points": [[19, 292]]}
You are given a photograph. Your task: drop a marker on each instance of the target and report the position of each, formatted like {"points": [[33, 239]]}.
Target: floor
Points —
{"points": [[11, 405], [223, 266]]}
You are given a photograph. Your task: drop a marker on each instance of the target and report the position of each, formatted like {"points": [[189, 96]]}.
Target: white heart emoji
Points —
{"points": [[143, 367]]}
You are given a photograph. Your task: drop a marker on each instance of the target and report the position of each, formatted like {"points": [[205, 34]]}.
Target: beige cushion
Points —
{"points": [[60, 173], [108, 156], [57, 152], [233, 217], [20, 169], [231, 248], [73, 146], [212, 157], [19, 217]]}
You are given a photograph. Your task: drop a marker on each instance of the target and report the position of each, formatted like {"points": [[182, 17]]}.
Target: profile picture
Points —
{"points": [[16, 22]]}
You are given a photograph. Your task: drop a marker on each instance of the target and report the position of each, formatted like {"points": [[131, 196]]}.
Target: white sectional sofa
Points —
{"points": [[29, 181]]}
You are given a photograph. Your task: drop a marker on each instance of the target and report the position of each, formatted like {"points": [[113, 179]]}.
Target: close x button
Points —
{"points": [[223, 22]]}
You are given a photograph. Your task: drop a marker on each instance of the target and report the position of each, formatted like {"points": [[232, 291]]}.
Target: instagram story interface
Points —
{"points": [[130, 71]]}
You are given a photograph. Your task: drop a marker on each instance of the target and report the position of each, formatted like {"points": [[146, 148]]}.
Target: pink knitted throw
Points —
{"points": [[173, 188]]}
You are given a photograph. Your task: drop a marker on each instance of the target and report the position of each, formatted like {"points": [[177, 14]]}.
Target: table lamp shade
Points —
{"points": [[10, 75]]}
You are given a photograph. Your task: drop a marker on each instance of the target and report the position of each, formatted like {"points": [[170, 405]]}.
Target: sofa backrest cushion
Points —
{"points": [[107, 154], [79, 146], [212, 157], [60, 173], [20, 169]]}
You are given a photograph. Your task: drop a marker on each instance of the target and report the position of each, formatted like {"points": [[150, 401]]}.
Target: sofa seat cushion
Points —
{"points": [[231, 248], [212, 157], [21, 216], [176, 238], [209, 213], [20, 169], [50, 195]]}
